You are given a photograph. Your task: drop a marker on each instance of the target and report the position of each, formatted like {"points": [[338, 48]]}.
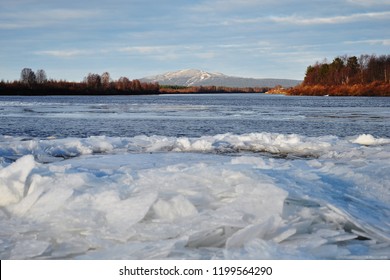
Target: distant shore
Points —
{"points": [[372, 89], [366, 90], [366, 75], [73, 89]]}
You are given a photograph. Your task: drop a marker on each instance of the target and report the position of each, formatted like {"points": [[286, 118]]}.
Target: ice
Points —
{"points": [[251, 232], [367, 139], [13, 180], [136, 251], [122, 214], [282, 145], [177, 207], [259, 249], [256, 195], [29, 249]]}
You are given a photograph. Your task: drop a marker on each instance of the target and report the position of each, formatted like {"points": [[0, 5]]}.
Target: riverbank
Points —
{"points": [[72, 88], [372, 89]]}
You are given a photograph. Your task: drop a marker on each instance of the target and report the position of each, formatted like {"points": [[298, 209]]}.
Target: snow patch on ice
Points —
{"points": [[368, 139], [49, 150]]}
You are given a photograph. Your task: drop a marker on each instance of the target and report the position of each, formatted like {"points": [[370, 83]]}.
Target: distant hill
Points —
{"points": [[193, 77]]}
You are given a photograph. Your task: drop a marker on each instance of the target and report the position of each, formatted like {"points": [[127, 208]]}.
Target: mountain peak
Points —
{"points": [[185, 77], [195, 77]]}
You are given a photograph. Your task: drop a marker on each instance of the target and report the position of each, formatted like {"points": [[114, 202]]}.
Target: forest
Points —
{"points": [[211, 89], [367, 75], [37, 83]]}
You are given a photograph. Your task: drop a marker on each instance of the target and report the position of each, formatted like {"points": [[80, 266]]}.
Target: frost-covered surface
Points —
{"points": [[227, 196]]}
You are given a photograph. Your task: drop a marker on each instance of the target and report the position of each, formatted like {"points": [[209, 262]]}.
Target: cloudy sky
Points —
{"points": [[137, 38]]}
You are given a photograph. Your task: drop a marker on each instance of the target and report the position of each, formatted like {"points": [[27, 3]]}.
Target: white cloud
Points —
{"points": [[250, 48], [41, 18], [206, 55], [63, 53], [163, 52], [369, 2], [146, 49], [299, 20], [383, 42], [226, 5]]}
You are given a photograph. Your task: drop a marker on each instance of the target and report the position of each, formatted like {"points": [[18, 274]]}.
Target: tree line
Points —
{"points": [[37, 83], [366, 75], [349, 70], [211, 89]]}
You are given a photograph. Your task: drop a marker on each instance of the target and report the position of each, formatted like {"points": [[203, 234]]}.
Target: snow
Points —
{"points": [[367, 139], [188, 77], [279, 144], [249, 196]]}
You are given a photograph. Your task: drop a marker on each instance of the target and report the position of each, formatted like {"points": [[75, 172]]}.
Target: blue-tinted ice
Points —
{"points": [[170, 193]]}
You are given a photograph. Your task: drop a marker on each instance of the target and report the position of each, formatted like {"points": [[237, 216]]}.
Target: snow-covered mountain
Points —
{"points": [[193, 77]]}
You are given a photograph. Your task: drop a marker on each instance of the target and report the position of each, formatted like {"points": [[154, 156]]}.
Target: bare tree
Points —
{"points": [[363, 65], [27, 76], [123, 84], [105, 79], [41, 77], [93, 81], [136, 86]]}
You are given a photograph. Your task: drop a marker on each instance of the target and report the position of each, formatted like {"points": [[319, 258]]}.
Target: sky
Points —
{"points": [[139, 38]]}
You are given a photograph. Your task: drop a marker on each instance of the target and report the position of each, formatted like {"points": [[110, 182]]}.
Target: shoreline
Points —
{"points": [[370, 90], [367, 90]]}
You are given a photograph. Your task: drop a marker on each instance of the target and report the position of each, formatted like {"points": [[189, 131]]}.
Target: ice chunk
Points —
{"points": [[251, 232], [13, 185], [211, 237], [329, 252], [29, 249], [68, 148], [51, 200], [254, 161], [34, 193], [177, 207], [368, 139], [258, 249], [284, 234], [136, 250], [121, 214]]}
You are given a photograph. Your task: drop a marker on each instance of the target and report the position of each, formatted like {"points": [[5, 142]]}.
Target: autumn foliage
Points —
{"points": [[36, 83], [210, 89], [363, 76]]}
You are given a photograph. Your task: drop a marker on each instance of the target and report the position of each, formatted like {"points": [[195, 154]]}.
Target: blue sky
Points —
{"points": [[137, 38]]}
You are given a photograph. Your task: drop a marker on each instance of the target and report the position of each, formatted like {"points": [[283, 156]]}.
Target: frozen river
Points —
{"points": [[238, 176], [193, 115]]}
